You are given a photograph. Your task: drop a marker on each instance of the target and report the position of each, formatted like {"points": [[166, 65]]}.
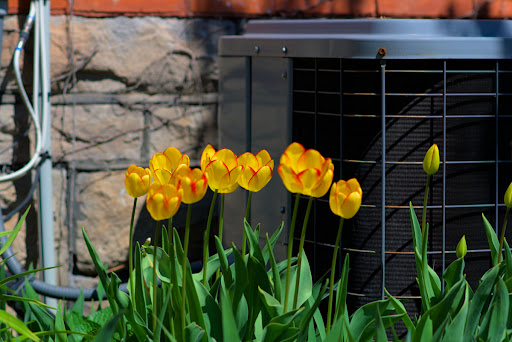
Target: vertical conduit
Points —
{"points": [[443, 221], [383, 174], [496, 156]]}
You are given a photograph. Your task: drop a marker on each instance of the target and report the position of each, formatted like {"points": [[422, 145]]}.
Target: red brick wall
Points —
{"points": [[282, 8]]}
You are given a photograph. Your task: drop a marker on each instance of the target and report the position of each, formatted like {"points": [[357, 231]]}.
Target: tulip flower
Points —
{"points": [[508, 204], [431, 160], [508, 196], [163, 200], [257, 170], [345, 198], [222, 169], [162, 165], [193, 182], [137, 180], [305, 171], [462, 248]]}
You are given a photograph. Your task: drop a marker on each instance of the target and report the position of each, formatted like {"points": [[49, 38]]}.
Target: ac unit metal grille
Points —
{"points": [[342, 106]]}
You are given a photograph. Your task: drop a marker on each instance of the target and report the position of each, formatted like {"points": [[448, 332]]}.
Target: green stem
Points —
{"points": [[130, 254], [333, 270], [221, 224], [247, 218], [207, 237], [301, 247], [155, 287], [290, 249], [184, 269], [169, 233], [502, 237], [424, 215]]}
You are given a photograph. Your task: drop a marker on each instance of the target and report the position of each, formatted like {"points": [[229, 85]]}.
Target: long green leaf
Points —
{"points": [[229, 328], [226, 272], [499, 317], [268, 249], [276, 279], [400, 309], [14, 323], [15, 232], [492, 239], [254, 246], [341, 293], [380, 331], [59, 325], [107, 332], [454, 332]]}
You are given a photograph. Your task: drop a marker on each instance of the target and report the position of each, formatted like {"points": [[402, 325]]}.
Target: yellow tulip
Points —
{"points": [[305, 171], [345, 198], [431, 160], [163, 201], [193, 182], [257, 170], [162, 165], [508, 196], [221, 168], [137, 180]]}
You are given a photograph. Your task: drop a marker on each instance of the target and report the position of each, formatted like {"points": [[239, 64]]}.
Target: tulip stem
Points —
{"points": [[184, 269], [247, 218], [207, 237], [502, 237], [155, 287], [169, 232], [290, 249], [424, 215], [221, 223], [333, 270], [130, 253], [301, 248]]}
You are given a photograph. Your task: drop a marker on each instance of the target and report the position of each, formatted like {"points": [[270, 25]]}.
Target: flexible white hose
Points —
{"points": [[36, 157]]}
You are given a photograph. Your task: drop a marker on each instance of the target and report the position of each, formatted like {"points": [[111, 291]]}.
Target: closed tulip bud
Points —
{"points": [[137, 180], [508, 197], [431, 160], [305, 171], [257, 170], [163, 201], [222, 169], [462, 248], [345, 198], [193, 182]]}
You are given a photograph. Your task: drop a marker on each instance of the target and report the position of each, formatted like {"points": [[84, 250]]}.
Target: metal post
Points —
{"points": [[443, 256], [383, 174]]}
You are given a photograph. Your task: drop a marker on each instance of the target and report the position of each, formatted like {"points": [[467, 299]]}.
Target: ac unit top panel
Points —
{"points": [[373, 38]]}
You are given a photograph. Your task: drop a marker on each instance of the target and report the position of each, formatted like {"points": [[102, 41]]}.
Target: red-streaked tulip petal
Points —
{"points": [[309, 178], [162, 176], [291, 155], [248, 159], [233, 180], [290, 179], [323, 185], [228, 157], [206, 156], [259, 179], [310, 159], [218, 175], [354, 186], [263, 158], [351, 205]]}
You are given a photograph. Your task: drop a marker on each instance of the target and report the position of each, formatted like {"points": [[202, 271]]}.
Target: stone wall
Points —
{"points": [[122, 89]]}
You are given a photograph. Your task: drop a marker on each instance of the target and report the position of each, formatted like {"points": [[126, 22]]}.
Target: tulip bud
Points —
{"points": [[508, 197], [462, 248], [431, 160]]}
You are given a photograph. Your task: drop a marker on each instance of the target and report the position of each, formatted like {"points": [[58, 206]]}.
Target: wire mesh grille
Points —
{"points": [[342, 106]]}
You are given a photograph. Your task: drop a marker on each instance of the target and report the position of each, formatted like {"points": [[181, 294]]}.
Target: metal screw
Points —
{"points": [[284, 49], [282, 210], [284, 75], [256, 49], [382, 52]]}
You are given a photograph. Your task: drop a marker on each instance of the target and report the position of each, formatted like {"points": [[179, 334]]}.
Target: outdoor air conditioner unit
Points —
{"points": [[337, 86]]}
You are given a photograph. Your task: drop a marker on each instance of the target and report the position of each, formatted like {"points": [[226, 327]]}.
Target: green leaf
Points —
{"points": [[254, 246], [480, 297], [107, 332], [453, 273], [193, 333], [454, 332], [141, 294], [499, 317], [492, 239], [14, 323], [400, 309], [416, 229], [508, 260], [226, 272], [229, 328], [15, 232], [241, 276], [341, 293], [380, 331], [276, 279], [273, 306], [267, 252], [59, 325]]}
